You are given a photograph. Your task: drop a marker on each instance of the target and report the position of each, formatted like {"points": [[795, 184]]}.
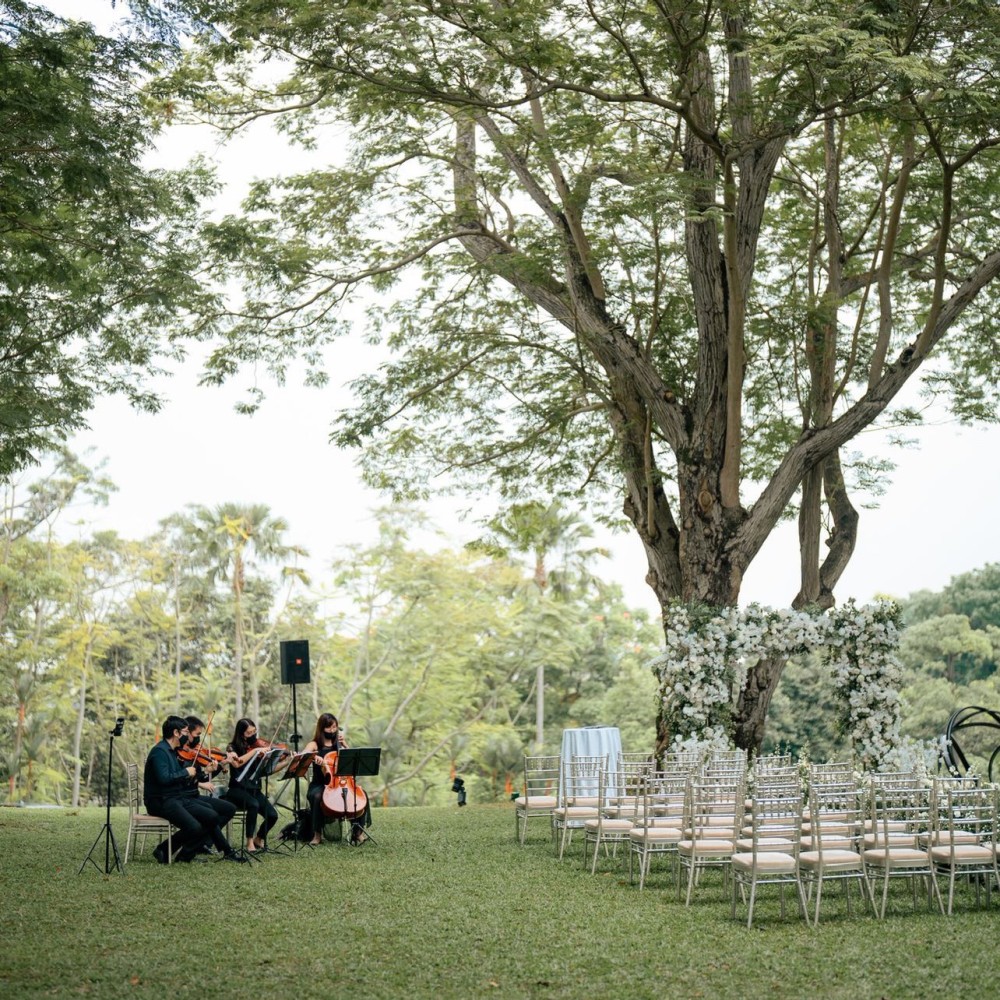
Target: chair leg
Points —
{"points": [[753, 897]]}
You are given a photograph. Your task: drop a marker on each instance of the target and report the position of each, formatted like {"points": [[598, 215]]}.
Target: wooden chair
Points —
{"points": [[141, 823]]}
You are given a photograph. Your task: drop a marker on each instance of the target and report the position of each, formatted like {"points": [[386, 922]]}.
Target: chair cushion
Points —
{"points": [[965, 854], [536, 802], [655, 835], [719, 847], [947, 836], [574, 812], [895, 857], [830, 859], [608, 825], [763, 843], [771, 862]]}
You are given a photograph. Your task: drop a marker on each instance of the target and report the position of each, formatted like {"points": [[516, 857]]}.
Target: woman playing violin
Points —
{"points": [[326, 739], [247, 794]]}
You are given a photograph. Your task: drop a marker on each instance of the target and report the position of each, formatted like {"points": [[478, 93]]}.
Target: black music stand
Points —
{"points": [[358, 762], [298, 767], [271, 763]]}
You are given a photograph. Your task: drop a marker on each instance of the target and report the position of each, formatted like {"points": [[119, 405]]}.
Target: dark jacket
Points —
{"points": [[164, 776]]}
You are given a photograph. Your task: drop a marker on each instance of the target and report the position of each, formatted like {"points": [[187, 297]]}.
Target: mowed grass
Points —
{"points": [[446, 904]]}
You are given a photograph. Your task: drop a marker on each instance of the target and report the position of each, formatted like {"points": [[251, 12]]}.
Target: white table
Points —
{"points": [[590, 741]]}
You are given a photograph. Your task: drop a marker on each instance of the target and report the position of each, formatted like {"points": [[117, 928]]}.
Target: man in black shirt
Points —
{"points": [[166, 792]]}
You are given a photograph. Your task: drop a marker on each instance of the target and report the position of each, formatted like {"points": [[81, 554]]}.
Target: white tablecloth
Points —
{"points": [[590, 741]]}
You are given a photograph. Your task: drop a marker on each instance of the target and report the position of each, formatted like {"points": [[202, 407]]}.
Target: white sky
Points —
{"points": [[936, 520]]}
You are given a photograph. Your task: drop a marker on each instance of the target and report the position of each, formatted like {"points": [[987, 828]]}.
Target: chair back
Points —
{"points": [[900, 813], [835, 818], [837, 773], [776, 821], [582, 780], [134, 788], [713, 809], [964, 816], [541, 777]]}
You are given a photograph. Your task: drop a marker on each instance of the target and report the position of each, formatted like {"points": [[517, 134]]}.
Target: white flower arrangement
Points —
{"points": [[707, 653]]}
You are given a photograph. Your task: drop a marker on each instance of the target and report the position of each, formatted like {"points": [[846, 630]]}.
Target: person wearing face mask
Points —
{"points": [[326, 739], [203, 778], [247, 794], [167, 792]]}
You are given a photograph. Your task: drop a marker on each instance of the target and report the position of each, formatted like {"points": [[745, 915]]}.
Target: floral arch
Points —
{"points": [[703, 668]]}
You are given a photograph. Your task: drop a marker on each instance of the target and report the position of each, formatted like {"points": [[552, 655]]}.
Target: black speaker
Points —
{"points": [[295, 661]]}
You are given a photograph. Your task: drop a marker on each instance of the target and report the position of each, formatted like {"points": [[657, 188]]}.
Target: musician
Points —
{"points": [[326, 739], [247, 794], [170, 790], [203, 778]]}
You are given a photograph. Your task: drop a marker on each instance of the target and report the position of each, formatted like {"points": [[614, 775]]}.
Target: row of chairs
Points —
{"points": [[759, 827]]}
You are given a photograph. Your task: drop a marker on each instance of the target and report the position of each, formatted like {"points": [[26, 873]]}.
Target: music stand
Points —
{"points": [[271, 763], [298, 767], [359, 762]]}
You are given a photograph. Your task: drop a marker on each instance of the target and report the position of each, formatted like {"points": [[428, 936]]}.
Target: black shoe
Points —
{"points": [[160, 853], [188, 855], [233, 856]]}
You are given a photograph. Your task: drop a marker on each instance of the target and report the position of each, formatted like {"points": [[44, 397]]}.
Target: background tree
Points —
{"points": [[97, 254], [228, 538], [552, 537], [683, 252]]}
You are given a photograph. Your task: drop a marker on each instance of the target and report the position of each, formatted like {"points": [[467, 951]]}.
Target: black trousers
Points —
{"points": [[255, 802], [199, 819]]}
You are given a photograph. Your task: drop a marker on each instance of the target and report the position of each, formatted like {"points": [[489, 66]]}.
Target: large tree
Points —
{"points": [[97, 257], [684, 250]]}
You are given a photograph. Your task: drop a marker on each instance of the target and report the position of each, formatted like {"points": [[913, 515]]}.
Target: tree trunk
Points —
{"points": [[750, 716], [540, 707], [78, 731]]}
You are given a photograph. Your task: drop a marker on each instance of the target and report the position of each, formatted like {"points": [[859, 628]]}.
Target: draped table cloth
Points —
{"points": [[589, 741]]}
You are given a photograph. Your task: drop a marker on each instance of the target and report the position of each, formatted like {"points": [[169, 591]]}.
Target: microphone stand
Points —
{"points": [[110, 846]]}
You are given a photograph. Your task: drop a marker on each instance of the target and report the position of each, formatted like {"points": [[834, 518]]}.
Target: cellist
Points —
{"points": [[327, 738]]}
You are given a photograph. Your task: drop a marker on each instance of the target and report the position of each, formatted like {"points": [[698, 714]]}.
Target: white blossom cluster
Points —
{"points": [[703, 668]]}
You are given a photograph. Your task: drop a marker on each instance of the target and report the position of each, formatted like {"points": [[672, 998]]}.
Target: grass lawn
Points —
{"points": [[446, 904]]}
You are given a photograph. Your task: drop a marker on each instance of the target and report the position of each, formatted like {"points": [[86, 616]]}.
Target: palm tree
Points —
{"points": [[228, 537], [553, 538]]}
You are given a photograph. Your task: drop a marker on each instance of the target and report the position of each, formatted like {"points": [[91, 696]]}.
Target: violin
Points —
{"points": [[259, 744], [202, 756], [343, 797]]}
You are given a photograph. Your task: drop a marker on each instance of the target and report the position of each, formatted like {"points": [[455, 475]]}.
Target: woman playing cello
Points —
{"points": [[326, 739]]}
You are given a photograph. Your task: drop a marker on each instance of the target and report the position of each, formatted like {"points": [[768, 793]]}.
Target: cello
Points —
{"points": [[343, 798]]}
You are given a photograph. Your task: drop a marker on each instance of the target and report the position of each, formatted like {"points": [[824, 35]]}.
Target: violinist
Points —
{"points": [[247, 794], [206, 765], [326, 739], [169, 791]]}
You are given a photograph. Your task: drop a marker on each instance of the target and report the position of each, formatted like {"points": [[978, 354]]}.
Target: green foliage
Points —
{"points": [[805, 713], [432, 655], [96, 253]]}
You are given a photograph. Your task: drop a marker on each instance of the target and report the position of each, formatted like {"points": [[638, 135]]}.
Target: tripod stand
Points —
{"points": [[110, 847]]}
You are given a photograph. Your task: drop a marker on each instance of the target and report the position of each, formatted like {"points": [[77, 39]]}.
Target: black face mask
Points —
{"points": [[183, 740], [193, 741], [330, 736]]}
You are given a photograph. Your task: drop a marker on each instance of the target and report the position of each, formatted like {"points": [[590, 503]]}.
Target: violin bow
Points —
{"points": [[280, 721], [208, 737]]}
